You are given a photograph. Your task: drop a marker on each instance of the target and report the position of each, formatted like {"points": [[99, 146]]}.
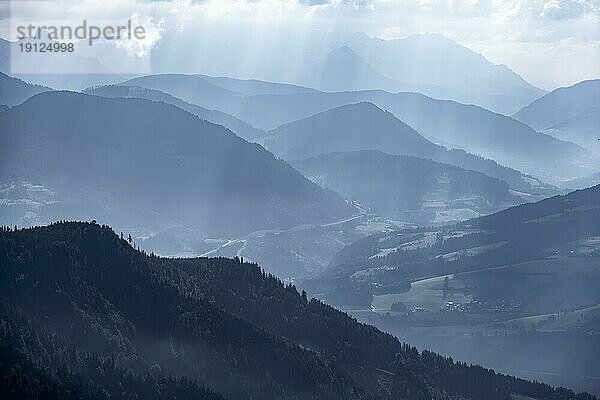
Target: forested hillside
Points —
{"points": [[85, 315], [14, 91]]}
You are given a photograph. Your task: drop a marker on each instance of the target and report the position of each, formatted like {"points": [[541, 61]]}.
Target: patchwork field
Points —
{"points": [[557, 292]]}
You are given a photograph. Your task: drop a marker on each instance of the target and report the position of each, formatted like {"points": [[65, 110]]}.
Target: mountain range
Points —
{"points": [[471, 128], [444, 69], [430, 64], [413, 65], [281, 207], [159, 157], [364, 126]]}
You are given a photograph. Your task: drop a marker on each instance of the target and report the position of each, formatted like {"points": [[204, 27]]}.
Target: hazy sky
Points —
{"points": [[549, 42]]}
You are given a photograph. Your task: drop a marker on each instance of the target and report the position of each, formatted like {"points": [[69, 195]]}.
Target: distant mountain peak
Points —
{"points": [[350, 127], [440, 67], [344, 50], [361, 105], [344, 69], [348, 57]]}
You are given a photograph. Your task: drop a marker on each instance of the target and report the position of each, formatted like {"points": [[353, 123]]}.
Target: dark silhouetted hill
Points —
{"points": [[84, 315], [14, 91]]}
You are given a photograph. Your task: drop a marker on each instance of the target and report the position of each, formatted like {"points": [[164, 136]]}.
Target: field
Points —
{"points": [[564, 289]]}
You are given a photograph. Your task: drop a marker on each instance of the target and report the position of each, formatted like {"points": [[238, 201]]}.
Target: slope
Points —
{"points": [[364, 126], [14, 91], [193, 89], [522, 233], [516, 290], [396, 185], [160, 157], [118, 322], [471, 128], [343, 69], [444, 69], [237, 126], [560, 105]]}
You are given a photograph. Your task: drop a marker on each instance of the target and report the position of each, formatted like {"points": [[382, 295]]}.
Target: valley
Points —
{"points": [[466, 291]]}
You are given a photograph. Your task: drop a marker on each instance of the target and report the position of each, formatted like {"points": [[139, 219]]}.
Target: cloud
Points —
{"points": [[313, 2], [355, 3], [566, 9], [152, 34]]}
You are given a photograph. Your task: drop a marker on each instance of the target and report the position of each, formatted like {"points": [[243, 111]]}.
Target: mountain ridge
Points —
{"points": [[569, 113], [394, 184], [237, 126], [373, 128], [14, 91], [560, 104], [211, 179]]}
